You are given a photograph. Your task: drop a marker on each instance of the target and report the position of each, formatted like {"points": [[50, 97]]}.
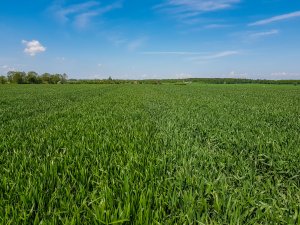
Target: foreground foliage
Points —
{"points": [[149, 154]]}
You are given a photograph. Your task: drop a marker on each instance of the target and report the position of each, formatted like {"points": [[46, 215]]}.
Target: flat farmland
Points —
{"points": [[150, 154]]}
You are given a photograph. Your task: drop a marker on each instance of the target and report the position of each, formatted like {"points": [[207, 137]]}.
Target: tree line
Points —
{"points": [[185, 81], [16, 77], [32, 77], [232, 81]]}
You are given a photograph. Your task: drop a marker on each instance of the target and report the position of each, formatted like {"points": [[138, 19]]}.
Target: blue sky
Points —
{"points": [[141, 39]]}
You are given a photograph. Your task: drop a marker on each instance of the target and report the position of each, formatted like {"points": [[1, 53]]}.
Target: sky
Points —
{"points": [[150, 39]]}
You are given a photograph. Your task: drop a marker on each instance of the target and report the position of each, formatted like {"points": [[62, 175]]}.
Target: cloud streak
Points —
{"points": [[214, 56], [195, 6], [276, 19], [216, 26], [137, 43], [84, 18], [172, 53], [189, 9], [63, 13], [264, 34], [221, 55], [81, 14], [195, 56]]}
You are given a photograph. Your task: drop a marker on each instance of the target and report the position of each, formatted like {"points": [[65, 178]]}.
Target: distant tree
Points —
{"points": [[109, 78], [3, 80], [64, 78], [46, 78], [16, 77], [55, 78], [32, 78], [9, 76]]}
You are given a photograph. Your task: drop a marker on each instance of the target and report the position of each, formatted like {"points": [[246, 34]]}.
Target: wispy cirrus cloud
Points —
{"points": [[83, 19], [194, 56], [116, 39], [136, 43], [172, 53], [188, 10], [252, 36], [264, 34], [120, 39], [214, 56], [276, 19], [81, 14], [64, 13], [216, 26], [193, 7], [221, 54]]}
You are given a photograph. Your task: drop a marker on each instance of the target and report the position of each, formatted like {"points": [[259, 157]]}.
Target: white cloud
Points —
{"points": [[276, 19], [33, 47], [264, 34]]}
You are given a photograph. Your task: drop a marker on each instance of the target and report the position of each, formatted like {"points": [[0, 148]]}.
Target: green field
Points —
{"points": [[149, 154]]}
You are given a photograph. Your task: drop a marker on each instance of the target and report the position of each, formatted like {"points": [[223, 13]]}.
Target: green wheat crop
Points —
{"points": [[149, 154]]}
